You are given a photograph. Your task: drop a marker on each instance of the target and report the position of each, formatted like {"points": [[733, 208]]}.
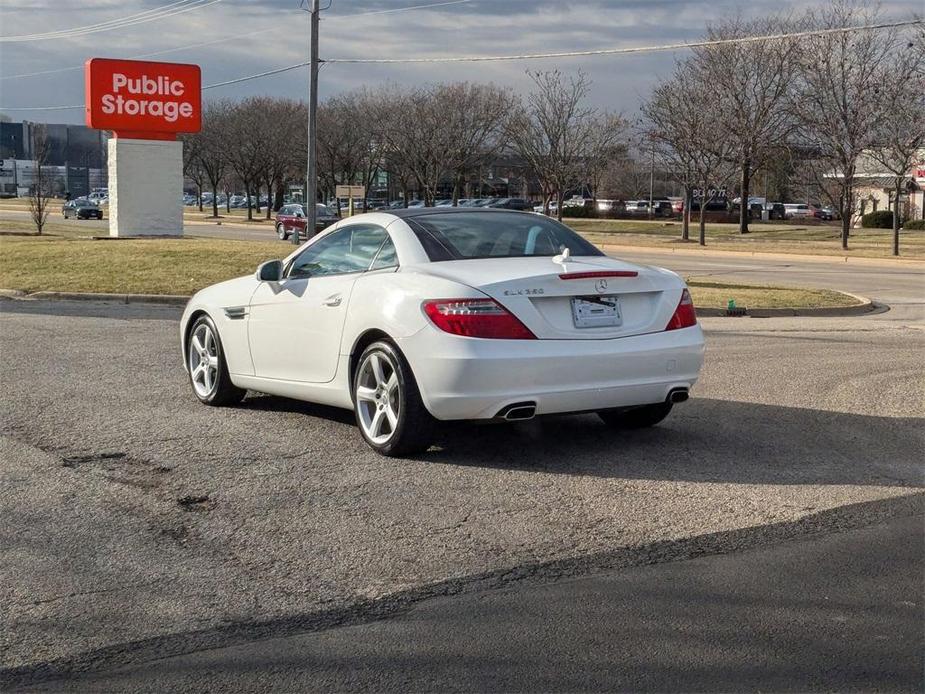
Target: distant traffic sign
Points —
{"points": [[350, 191]]}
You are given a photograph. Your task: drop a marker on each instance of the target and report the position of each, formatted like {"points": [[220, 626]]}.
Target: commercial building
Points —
{"points": [[876, 188], [76, 158]]}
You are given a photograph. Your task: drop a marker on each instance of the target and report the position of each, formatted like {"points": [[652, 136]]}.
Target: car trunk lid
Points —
{"points": [[587, 297]]}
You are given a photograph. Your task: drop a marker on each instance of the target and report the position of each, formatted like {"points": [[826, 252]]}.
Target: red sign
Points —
{"points": [[141, 99]]}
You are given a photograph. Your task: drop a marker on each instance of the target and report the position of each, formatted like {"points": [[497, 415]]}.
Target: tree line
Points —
{"points": [[728, 112], [422, 137], [732, 109]]}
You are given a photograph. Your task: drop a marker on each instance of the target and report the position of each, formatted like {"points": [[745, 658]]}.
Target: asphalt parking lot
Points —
{"points": [[140, 524]]}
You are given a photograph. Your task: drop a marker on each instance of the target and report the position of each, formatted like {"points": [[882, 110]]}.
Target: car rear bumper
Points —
{"points": [[467, 378]]}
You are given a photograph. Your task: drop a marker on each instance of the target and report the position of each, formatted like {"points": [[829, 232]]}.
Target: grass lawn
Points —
{"points": [[764, 238], [710, 294], [142, 266], [58, 262]]}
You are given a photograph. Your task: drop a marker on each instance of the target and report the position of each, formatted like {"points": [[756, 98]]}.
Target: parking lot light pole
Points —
{"points": [[311, 179]]}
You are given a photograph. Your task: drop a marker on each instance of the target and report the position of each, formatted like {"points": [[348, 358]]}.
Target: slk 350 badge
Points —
{"points": [[522, 292]]}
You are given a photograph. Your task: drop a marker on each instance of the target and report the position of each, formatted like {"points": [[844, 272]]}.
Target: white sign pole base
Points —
{"points": [[145, 187]]}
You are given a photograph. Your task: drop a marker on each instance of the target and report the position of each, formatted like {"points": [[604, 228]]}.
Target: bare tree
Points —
{"points": [[41, 181], [605, 144], [192, 165], [244, 145], [837, 100], [350, 139], [550, 131], [282, 139], [900, 129], [392, 125], [751, 81], [474, 116], [211, 144], [680, 119]]}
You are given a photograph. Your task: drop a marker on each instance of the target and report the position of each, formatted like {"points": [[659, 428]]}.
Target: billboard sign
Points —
{"points": [[143, 99]]}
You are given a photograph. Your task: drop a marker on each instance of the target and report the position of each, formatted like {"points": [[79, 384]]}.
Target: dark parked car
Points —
{"points": [[662, 208], [81, 208], [512, 204], [292, 217], [776, 210], [826, 214]]}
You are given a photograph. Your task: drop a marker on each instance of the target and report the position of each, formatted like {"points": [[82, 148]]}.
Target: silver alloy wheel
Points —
{"points": [[202, 358], [378, 397], [281, 232]]}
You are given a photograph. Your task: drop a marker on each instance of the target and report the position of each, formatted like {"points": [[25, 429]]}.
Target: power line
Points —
{"points": [[236, 37], [145, 55], [164, 8], [608, 51], [175, 8], [258, 75], [636, 49], [401, 9]]}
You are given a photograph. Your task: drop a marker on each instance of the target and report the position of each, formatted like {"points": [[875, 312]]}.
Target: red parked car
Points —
{"points": [[292, 217]]}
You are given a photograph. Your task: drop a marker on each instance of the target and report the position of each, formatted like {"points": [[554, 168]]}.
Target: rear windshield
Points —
{"points": [[469, 235]]}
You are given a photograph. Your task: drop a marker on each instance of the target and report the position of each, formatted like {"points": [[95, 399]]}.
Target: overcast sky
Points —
{"points": [[273, 33]]}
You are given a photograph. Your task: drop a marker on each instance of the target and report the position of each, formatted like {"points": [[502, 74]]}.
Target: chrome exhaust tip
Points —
{"points": [[678, 395], [518, 412]]}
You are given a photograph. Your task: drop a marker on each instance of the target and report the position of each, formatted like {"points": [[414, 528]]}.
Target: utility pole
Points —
{"points": [[651, 177], [311, 178]]}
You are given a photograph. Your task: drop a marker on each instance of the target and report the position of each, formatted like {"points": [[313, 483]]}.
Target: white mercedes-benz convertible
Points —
{"points": [[416, 316]]}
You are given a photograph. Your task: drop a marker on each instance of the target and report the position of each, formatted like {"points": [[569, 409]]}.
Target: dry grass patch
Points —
{"points": [[143, 266], [709, 294], [764, 238]]}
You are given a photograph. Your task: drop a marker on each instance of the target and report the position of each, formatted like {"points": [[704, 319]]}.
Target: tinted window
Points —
{"points": [[495, 235], [347, 250]]}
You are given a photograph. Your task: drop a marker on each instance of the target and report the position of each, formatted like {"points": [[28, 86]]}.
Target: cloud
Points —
{"points": [[266, 34]]}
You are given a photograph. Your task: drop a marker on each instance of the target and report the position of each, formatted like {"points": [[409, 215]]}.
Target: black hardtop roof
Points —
{"points": [[405, 213]]}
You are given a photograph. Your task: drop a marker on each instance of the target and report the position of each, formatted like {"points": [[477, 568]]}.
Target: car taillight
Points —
{"points": [[476, 318], [684, 315]]}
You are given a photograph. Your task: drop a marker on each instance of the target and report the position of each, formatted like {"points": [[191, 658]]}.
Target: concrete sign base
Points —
{"points": [[145, 187]]}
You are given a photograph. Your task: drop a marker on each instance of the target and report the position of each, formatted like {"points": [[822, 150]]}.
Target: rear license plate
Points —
{"points": [[596, 311]]}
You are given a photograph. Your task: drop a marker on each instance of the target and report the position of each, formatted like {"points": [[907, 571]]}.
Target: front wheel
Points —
{"points": [[281, 232], [636, 417], [387, 403], [208, 370]]}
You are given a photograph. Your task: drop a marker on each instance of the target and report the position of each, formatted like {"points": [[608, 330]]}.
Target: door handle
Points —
{"points": [[333, 300]]}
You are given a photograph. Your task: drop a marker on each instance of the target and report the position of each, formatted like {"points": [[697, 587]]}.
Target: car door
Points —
{"points": [[295, 325]]}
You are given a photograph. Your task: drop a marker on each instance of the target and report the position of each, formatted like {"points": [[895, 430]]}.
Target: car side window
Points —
{"points": [[387, 257], [346, 250]]}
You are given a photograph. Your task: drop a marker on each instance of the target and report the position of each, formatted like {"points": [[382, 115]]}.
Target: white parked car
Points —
{"points": [[553, 208], [797, 210], [416, 316]]}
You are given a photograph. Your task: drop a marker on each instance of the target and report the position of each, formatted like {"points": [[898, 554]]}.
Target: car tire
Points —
{"points": [[207, 368], [281, 232], [386, 397], [636, 417]]}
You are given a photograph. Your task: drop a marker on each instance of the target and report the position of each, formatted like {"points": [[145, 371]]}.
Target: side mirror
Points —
{"points": [[299, 214], [270, 271]]}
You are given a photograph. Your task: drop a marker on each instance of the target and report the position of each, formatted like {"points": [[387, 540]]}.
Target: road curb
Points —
{"points": [[770, 255], [168, 299], [865, 306]]}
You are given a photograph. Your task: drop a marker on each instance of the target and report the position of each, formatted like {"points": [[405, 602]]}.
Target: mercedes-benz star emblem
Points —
{"points": [[601, 286]]}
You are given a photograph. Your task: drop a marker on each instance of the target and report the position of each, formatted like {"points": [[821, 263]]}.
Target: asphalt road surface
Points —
{"points": [[833, 612], [140, 525]]}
